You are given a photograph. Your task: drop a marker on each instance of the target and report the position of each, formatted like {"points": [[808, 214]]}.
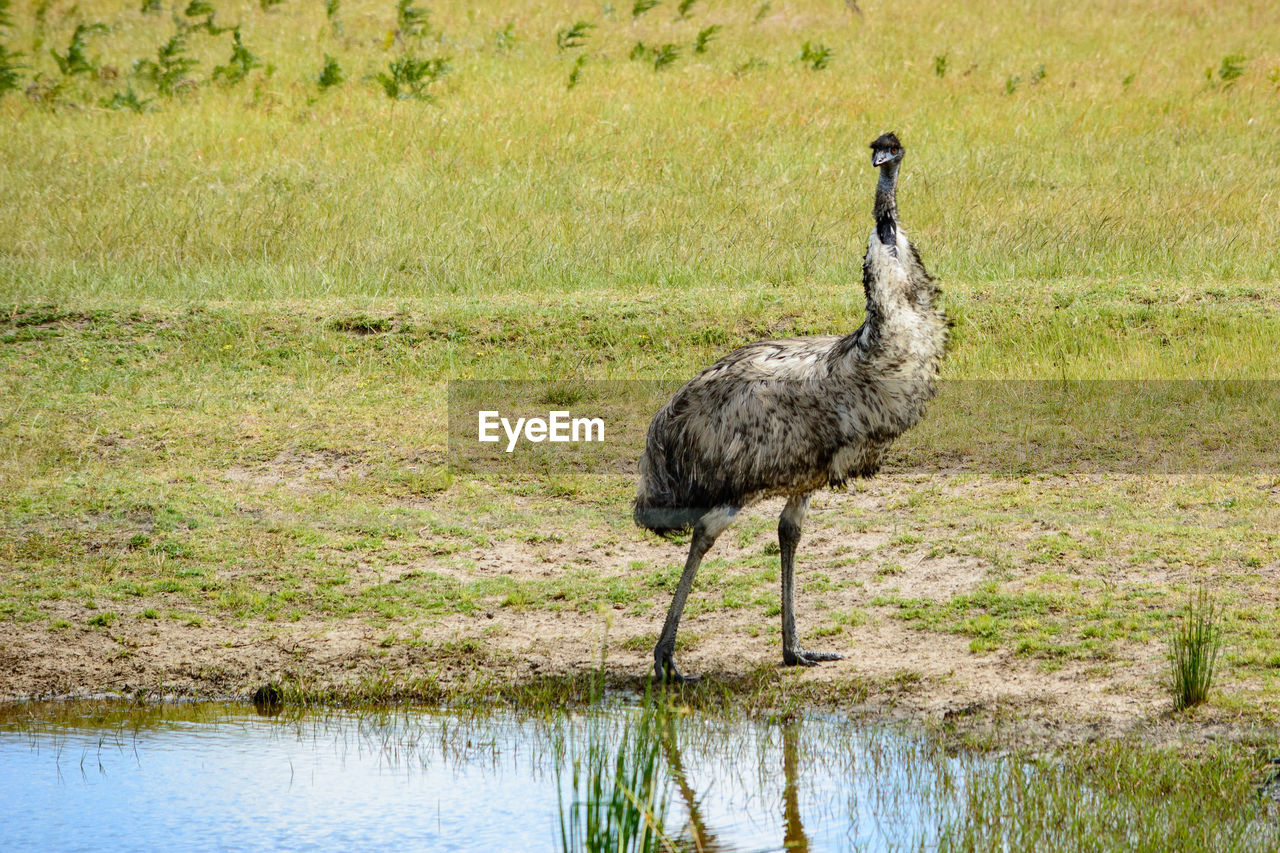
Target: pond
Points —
{"points": [[80, 776]]}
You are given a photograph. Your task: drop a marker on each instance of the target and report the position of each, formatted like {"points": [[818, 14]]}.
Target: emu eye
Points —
{"points": [[893, 150]]}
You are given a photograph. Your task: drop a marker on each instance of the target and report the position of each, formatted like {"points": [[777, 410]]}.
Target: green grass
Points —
{"points": [[638, 182], [232, 300], [1115, 796]]}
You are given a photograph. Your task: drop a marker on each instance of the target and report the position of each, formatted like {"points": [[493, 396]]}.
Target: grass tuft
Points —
{"points": [[816, 56], [409, 77], [642, 6], [1193, 651], [705, 37], [617, 795], [242, 61], [412, 21], [169, 70], [330, 74], [573, 36], [75, 60]]}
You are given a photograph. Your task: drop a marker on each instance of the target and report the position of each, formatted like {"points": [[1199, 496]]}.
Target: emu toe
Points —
{"points": [[664, 670], [800, 657]]}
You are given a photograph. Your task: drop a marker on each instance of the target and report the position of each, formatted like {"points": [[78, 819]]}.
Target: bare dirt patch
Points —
{"points": [[301, 471]]}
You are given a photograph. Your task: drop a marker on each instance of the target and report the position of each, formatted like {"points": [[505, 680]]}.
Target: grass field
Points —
{"points": [[231, 302]]}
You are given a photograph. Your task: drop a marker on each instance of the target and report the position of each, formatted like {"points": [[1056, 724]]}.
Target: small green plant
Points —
{"points": [[268, 5], [197, 8], [1231, 69], [940, 64], [704, 38], [1038, 75], [1193, 651], [642, 6], [765, 8], [505, 38], [126, 100], [242, 61], [410, 76], [1011, 83], [412, 21], [576, 71], [682, 11], [151, 7], [660, 56], [331, 73], [574, 36], [10, 68], [1127, 80], [816, 56], [168, 71], [75, 61], [331, 8], [665, 55]]}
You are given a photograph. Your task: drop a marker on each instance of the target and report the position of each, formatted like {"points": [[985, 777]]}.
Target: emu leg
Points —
{"points": [[705, 532], [789, 524]]}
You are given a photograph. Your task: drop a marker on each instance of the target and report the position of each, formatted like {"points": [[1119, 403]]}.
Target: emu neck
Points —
{"points": [[886, 209]]}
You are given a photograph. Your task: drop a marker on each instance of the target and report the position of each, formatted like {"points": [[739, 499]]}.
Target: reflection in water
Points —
{"points": [[795, 838], [216, 777], [703, 840], [84, 776], [700, 835], [112, 776], [88, 776]]}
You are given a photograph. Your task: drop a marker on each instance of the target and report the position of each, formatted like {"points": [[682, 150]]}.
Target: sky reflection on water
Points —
{"points": [[220, 777]]}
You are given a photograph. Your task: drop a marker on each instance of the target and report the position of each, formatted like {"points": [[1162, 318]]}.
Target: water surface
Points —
{"points": [[224, 777]]}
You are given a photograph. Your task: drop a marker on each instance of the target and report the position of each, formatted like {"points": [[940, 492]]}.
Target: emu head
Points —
{"points": [[886, 149]]}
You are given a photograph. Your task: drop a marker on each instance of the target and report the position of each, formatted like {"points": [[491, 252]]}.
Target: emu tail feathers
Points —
{"points": [[665, 520], [662, 503]]}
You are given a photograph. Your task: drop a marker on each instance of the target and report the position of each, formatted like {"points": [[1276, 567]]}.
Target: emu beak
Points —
{"points": [[879, 157]]}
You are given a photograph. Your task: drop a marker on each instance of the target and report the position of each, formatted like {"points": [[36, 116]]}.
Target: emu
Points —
{"points": [[788, 417]]}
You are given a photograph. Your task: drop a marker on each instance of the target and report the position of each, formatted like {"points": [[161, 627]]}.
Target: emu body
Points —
{"points": [[788, 417]]}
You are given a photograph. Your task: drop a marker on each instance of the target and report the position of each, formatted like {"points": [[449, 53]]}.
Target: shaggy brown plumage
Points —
{"points": [[788, 417]]}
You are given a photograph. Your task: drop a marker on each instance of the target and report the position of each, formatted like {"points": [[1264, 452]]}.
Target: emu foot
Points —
{"points": [[799, 657], [664, 669]]}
